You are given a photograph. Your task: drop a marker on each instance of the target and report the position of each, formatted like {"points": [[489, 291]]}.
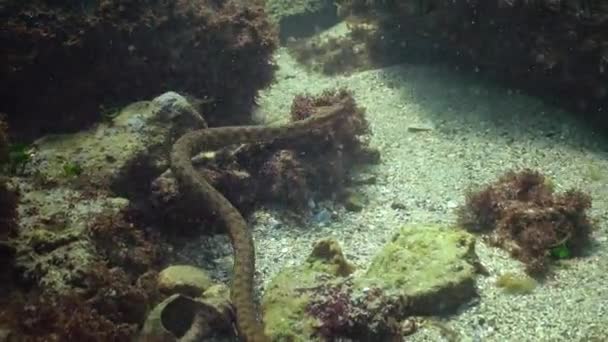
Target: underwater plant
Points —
{"points": [[345, 144], [521, 213], [107, 299], [293, 170], [122, 244], [111, 308]]}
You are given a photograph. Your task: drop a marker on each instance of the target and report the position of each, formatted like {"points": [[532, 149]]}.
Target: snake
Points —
{"points": [[248, 326]]}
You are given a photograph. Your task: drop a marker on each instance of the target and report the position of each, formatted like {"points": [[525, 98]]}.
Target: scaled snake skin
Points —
{"points": [[250, 328]]}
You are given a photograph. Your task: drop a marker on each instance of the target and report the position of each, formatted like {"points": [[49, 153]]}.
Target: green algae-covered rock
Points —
{"points": [[290, 292], [432, 267], [53, 248], [183, 279], [70, 205], [122, 153], [327, 256], [424, 270]]}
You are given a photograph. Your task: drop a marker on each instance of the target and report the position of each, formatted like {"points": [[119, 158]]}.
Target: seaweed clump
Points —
{"points": [[124, 245], [317, 165], [66, 64], [522, 214], [294, 171], [110, 309], [110, 301]]}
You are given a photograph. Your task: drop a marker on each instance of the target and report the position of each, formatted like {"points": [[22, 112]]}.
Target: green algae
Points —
{"points": [[513, 283], [289, 293]]}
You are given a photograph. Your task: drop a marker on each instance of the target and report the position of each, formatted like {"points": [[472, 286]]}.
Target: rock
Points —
{"points": [[123, 154], [183, 279], [327, 256], [433, 267], [181, 318], [354, 202], [288, 296], [369, 155], [451, 204], [398, 206], [218, 296], [513, 283], [420, 127], [424, 270]]}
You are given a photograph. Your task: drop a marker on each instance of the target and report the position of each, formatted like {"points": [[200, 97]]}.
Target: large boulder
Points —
{"points": [[424, 270], [123, 153]]}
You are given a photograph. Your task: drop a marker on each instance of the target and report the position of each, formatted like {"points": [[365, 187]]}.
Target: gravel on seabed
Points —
{"points": [[472, 132]]}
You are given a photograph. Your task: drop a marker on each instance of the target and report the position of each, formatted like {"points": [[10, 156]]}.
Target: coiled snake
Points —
{"points": [[249, 327]]}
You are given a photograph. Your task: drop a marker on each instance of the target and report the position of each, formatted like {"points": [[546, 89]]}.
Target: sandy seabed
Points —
{"points": [[472, 132]]}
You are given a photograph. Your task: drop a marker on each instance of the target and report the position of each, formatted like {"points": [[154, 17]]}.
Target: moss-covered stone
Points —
{"points": [[355, 202], [43, 240], [184, 279], [513, 283], [432, 267], [424, 270], [123, 153], [53, 249], [327, 256], [289, 294]]}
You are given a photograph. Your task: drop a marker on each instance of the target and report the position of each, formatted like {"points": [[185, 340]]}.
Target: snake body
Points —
{"points": [[249, 327]]}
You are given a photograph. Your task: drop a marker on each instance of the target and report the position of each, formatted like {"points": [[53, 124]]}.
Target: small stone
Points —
{"points": [[365, 180], [274, 223], [433, 267], [398, 206], [420, 127], [322, 217], [370, 155], [354, 202], [218, 296], [183, 279], [452, 204], [408, 327]]}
